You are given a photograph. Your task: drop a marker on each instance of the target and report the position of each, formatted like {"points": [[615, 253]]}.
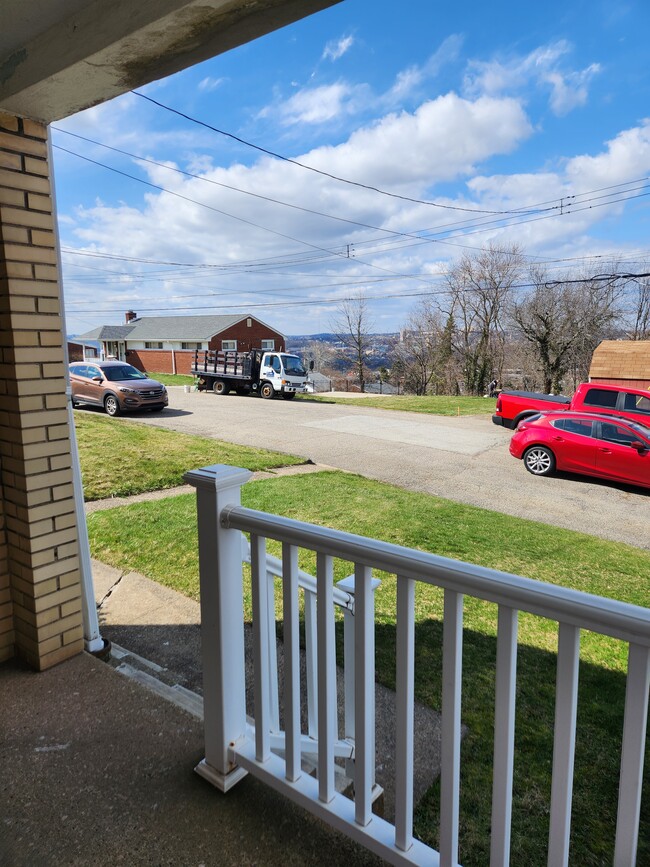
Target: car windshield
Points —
{"points": [[124, 372], [293, 366]]}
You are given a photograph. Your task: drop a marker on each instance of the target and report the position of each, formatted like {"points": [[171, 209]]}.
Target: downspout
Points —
{"points": [[93, 642]]}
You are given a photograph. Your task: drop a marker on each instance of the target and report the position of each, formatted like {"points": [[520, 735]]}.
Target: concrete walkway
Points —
{"points": [[113, 502]]}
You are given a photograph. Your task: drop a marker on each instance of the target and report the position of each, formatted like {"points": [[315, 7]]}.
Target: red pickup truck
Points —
{"points": [[633, 403]]}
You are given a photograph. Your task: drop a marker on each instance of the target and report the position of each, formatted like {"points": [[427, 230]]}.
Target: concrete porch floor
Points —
{"points": [[97, 770]]}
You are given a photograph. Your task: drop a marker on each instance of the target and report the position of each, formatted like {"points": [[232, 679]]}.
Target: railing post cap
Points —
{"points": [[217, 477]]}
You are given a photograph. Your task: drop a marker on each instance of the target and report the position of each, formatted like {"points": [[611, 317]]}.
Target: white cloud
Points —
{"points": [[317, 105], [541, 68], [208, 84], [442, 139], [410, 79], [337, 48], [570, 90]]}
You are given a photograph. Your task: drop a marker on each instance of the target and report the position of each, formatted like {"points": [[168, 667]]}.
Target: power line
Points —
{"points": [[312, 168]]}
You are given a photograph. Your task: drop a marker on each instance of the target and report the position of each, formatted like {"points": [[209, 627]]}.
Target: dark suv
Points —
{"points": [[115, 385]]}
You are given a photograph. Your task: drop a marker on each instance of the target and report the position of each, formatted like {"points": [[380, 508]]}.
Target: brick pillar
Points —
{"points": [[41, 620]]}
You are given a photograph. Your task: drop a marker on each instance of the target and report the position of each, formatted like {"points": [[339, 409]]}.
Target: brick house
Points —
{"points": [[622, 362], [166, 344]]}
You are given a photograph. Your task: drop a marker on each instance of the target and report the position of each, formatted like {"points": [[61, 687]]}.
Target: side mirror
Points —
{"points": [[97, 379], [639, 446]]}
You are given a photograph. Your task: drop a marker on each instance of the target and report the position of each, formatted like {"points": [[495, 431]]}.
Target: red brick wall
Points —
{"points": [[75, 352], [160, 360], [248, 338]]}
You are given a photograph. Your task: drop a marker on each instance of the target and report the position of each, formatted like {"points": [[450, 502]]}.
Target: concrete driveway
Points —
{"points": [[464, 459]]}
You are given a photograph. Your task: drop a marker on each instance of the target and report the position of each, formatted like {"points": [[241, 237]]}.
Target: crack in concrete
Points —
{"points": [[110, 590]]}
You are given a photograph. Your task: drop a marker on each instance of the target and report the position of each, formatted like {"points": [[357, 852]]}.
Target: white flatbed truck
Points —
{"points": [[255, 372]]}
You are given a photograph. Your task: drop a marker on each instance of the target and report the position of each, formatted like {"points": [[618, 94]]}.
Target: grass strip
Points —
{"points": [[120, 458], [159, 540], [431, 404], [172, 378]]}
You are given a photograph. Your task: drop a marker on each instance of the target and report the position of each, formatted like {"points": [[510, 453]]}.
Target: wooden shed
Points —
{"points": [[622, 362]]}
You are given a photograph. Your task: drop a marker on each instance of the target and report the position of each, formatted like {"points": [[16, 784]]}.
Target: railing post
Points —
{"points": [[222, 621]]}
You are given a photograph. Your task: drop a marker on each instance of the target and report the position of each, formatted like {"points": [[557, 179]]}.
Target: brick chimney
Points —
{"points": [[130, 316]]}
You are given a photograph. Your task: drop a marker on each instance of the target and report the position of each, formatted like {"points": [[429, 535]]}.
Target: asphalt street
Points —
{"points": [[465, 459]]}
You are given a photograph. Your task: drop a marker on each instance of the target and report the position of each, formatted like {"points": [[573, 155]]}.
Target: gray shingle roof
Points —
{"points": [[107, 332], [181, 327], [166, 328]]}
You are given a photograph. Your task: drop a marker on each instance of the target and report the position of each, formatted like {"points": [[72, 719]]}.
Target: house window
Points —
{"points": [[249, 323], [153, 344], [227, 345], [269, 345], [189, 345]]}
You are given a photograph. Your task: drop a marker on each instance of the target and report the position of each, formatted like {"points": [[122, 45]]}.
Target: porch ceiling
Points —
{"points": [[58, 57]]}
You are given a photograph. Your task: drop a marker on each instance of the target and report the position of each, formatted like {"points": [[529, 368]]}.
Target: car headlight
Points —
{"points": [[127, 390]]}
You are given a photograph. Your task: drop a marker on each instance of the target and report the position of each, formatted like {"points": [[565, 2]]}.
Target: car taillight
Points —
{"points": [[498, 404]]}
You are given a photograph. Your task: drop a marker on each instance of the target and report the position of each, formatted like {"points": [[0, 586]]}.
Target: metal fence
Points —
{"points": [[234, 747]]}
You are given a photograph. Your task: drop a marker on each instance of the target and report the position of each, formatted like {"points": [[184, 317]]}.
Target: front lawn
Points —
{"points": [[122, 537], [120, 458]]}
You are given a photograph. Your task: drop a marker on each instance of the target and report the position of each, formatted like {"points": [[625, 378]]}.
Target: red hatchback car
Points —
{"points": [[585, 443]]}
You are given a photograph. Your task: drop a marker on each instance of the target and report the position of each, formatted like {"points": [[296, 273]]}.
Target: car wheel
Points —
{"points": [[539, 461], [112, 405], [220, 387], [266, 390], [289, 395]]}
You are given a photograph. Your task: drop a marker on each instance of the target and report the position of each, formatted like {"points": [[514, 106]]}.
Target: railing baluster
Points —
{"points": [[632, 755], [272, 657], [452, 670], [404, 677], [311, 659], [326, 677], [566, 706], [364, 688], [504, 736], [291, 660], [260, 595], [348, 685]]}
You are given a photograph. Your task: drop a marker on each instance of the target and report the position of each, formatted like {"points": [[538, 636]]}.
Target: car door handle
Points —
{"points": [[605, 451], [558, 439]]}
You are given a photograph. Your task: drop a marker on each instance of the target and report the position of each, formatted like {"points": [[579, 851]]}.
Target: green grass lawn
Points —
{"points": [[120, 458], [122, 537], [432, 404], [171, 378]]}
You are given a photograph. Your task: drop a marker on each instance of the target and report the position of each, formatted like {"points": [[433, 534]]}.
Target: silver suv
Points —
{"points": [[115, 385]]}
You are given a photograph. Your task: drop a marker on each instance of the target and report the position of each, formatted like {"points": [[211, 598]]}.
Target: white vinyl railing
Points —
{"points": [[233, 747]]}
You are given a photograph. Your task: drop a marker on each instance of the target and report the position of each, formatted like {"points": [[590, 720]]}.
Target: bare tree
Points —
{"points": [[352, 326], [597, 301], [416, 356], [564, 321], [639, 318], [548, 320], [480, 286]]}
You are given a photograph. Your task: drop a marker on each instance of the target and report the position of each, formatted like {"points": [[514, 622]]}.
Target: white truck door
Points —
{"points": [[271, 369]]}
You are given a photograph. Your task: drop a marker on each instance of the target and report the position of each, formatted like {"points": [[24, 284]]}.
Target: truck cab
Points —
{"points": [[284, 374]]}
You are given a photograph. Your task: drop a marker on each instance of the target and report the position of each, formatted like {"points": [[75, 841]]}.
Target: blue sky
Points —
{"points": [[434, 129]]}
